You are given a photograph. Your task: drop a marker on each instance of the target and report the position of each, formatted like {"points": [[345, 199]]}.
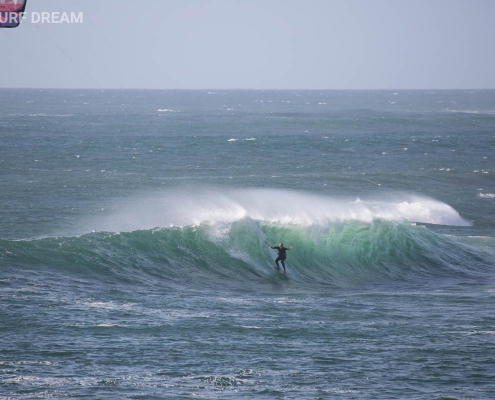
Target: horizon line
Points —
{"points": [[239, 89]]}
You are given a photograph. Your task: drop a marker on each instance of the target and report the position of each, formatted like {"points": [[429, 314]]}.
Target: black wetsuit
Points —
{"points": [[282, 255]]}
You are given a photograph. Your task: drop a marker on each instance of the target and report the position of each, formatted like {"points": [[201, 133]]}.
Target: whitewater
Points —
{"points": [[133, 256]]}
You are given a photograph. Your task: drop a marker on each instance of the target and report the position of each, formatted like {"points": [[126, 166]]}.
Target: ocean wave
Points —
{"points": [[234, 254], [480, 112], [51, 115], [236, 140]]}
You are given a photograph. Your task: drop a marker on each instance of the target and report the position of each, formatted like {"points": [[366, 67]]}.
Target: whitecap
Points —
{"points": [[167, 110], [484, 112]]}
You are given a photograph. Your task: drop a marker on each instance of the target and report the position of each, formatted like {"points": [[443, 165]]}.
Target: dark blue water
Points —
{"points": [[133, 261]]}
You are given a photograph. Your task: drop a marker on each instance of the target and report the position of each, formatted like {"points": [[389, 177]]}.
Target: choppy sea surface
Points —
{"points": [[133, 262]]}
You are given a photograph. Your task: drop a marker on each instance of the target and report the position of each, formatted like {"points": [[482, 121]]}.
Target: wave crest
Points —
{"points": [[192, 207]]}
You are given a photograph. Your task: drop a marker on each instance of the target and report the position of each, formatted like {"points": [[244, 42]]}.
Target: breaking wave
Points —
{"points": [[213, 239]]}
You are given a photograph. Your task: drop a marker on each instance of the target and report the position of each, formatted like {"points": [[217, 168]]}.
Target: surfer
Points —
{"points": [[282, 255]]}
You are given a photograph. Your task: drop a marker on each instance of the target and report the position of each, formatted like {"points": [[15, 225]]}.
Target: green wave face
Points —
{"points": [[350, 254]]}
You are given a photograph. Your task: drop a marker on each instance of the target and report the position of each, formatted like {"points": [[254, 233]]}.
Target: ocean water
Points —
{"points": [[133, 262]]}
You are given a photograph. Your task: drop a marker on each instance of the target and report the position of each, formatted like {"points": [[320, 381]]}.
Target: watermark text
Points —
{"points": [[45, 17]]}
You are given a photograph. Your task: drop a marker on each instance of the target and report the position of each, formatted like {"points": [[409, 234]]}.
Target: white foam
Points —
{"points": [[487, 112], [236, 140], [51, 115], [189, 207]]}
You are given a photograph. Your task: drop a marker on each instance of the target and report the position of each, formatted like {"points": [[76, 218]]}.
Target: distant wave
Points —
{"points": [[235, 140], [51, 115], [485, 112]]}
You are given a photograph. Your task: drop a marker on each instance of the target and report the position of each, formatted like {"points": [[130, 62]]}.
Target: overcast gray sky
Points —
{"points": [[254, 44]]}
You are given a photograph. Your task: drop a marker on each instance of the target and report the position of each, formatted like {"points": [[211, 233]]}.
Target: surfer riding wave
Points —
{"points": [[282, 255]]}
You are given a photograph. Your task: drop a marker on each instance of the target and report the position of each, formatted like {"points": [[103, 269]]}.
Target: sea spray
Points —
{"points": [[186, 207]]}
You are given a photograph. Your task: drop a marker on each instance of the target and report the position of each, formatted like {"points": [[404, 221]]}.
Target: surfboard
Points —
{"points": [[280, 271]]}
